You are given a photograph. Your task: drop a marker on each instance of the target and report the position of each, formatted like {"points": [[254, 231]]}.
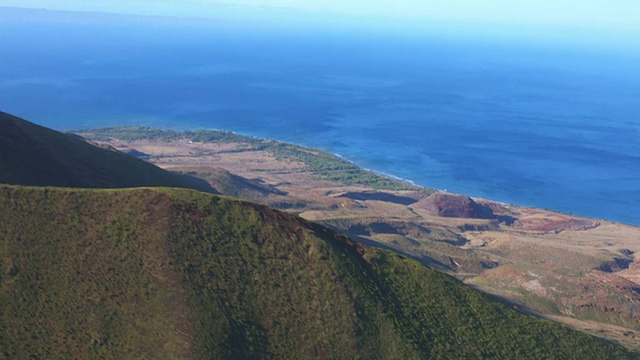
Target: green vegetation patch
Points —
{"points": [[87, 275]]}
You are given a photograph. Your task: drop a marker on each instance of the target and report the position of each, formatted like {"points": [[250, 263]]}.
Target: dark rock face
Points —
{"points": [[451, 205], [615, 265]]}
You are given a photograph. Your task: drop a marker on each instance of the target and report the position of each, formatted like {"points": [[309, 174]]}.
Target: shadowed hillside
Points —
{"points": [[232, 185], [159, 273], [34, 155]]}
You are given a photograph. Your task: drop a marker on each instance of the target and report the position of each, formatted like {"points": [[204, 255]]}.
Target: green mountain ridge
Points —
{"points": [[34, 155], [167, 273]]}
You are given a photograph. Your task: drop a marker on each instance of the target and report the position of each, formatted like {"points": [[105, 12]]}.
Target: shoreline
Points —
{"points": [[386, 175], [574, 212]]}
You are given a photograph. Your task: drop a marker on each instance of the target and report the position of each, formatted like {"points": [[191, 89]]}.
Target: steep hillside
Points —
{"points": [[34, 155], [159, 273]]}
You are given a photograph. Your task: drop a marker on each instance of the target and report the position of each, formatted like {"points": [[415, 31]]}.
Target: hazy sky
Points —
{"points": [[583, 17]]}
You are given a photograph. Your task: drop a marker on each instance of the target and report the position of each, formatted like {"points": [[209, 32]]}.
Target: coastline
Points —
{"points": [[390, 176], [502, 201]]}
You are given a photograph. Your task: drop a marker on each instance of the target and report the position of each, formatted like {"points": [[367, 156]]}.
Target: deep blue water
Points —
{"points": [[540, 125]]}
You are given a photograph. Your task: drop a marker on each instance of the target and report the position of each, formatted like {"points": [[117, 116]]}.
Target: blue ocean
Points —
{"points": [[533, 124]]}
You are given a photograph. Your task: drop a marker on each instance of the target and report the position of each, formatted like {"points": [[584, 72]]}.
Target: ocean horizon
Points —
{"points": [[537, 125]]}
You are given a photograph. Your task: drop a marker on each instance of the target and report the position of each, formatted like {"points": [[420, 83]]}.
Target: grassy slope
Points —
{"points": [[179, 274], [34, 155]]}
